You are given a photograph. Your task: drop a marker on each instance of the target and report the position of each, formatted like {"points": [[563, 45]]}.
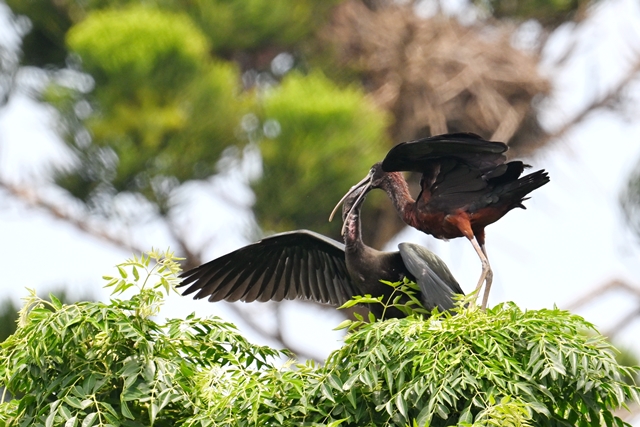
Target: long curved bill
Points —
{"points": [[364, 185]]}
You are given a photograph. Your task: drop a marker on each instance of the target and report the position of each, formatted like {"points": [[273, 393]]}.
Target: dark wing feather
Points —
{"points": [[417, 156], [295, 264], [436, 282], [463, 186], [456, 187], [512, 193]]}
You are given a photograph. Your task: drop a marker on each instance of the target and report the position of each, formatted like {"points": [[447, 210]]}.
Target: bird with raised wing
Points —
{"points": [[466, 184], [307, 265]]}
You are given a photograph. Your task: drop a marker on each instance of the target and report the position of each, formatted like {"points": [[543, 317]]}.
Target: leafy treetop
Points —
{"points": [[111, 364]]}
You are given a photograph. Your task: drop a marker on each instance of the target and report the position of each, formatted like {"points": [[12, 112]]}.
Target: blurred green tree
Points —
{"points": [[160, 106]]}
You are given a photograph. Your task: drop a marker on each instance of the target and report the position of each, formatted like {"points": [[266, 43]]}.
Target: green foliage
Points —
{"points": [[327, 135], [93, 363], [9, 311], [526, 366], [139, 43], [403, 300], [230, 26], [254, 24], [161, 110]]}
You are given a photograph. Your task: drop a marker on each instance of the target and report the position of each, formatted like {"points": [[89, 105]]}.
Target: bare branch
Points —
{"points": [[604, 289], [597, 292], [35, 200], [622, 323], [193, 259], [599, 102]]}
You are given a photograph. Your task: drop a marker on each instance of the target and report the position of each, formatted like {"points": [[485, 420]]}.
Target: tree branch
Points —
{"points": [[34, 200], [609, 286], [598, 102], [193, 259]]}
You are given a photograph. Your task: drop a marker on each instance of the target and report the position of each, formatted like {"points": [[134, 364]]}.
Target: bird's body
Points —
{"points": [[466, 185], [307, 265]]}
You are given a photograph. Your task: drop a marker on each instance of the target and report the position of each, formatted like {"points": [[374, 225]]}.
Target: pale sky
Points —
{"points": [[570, 239]]}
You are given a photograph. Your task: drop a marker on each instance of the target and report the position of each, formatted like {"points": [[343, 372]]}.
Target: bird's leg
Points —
{"points": [[461, 221], [489, 278], [486, 271]]}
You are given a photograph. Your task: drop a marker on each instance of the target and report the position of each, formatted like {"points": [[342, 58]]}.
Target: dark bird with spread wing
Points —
{"points": [[307, 265]]}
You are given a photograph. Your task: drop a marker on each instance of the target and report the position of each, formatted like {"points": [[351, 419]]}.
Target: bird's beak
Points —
{"points": [[364, 185]]}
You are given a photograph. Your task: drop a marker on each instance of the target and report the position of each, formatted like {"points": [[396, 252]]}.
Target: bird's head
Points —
{"points": [[378, 177], [359, 190]]}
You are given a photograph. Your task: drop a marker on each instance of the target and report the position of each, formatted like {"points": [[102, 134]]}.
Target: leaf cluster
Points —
{"points": [[521, 367], [92, 363]]}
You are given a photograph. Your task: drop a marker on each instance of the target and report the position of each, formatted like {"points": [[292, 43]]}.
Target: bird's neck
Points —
{"points": [[353, 232], [398, 191]]}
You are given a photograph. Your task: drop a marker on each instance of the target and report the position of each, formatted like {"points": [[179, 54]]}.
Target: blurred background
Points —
{"points": [[204, 125]]}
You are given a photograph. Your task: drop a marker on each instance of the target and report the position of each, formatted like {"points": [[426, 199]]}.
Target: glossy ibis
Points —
{"points": [[307, 265], [466, 184]]}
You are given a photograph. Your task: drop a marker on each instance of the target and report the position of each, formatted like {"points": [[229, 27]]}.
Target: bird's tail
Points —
{"points": [[516, 191]]}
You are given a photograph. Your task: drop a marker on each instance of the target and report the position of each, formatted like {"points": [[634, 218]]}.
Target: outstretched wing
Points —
{"points": [[418, 155], [296, 264], [436, 282]]}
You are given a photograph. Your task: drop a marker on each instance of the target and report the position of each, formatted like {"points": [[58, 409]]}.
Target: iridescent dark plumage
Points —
{"points": [[466, 184], [307, 265]]}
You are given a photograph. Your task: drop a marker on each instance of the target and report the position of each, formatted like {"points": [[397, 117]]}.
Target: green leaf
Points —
{"points": [[153, 412], [466, 417], [343, 325], [124, 409], [49, 420], [424, 416], [334, 381], [73, 401], [64, 411], [326, 392], [55, 302], [401, 405]]}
